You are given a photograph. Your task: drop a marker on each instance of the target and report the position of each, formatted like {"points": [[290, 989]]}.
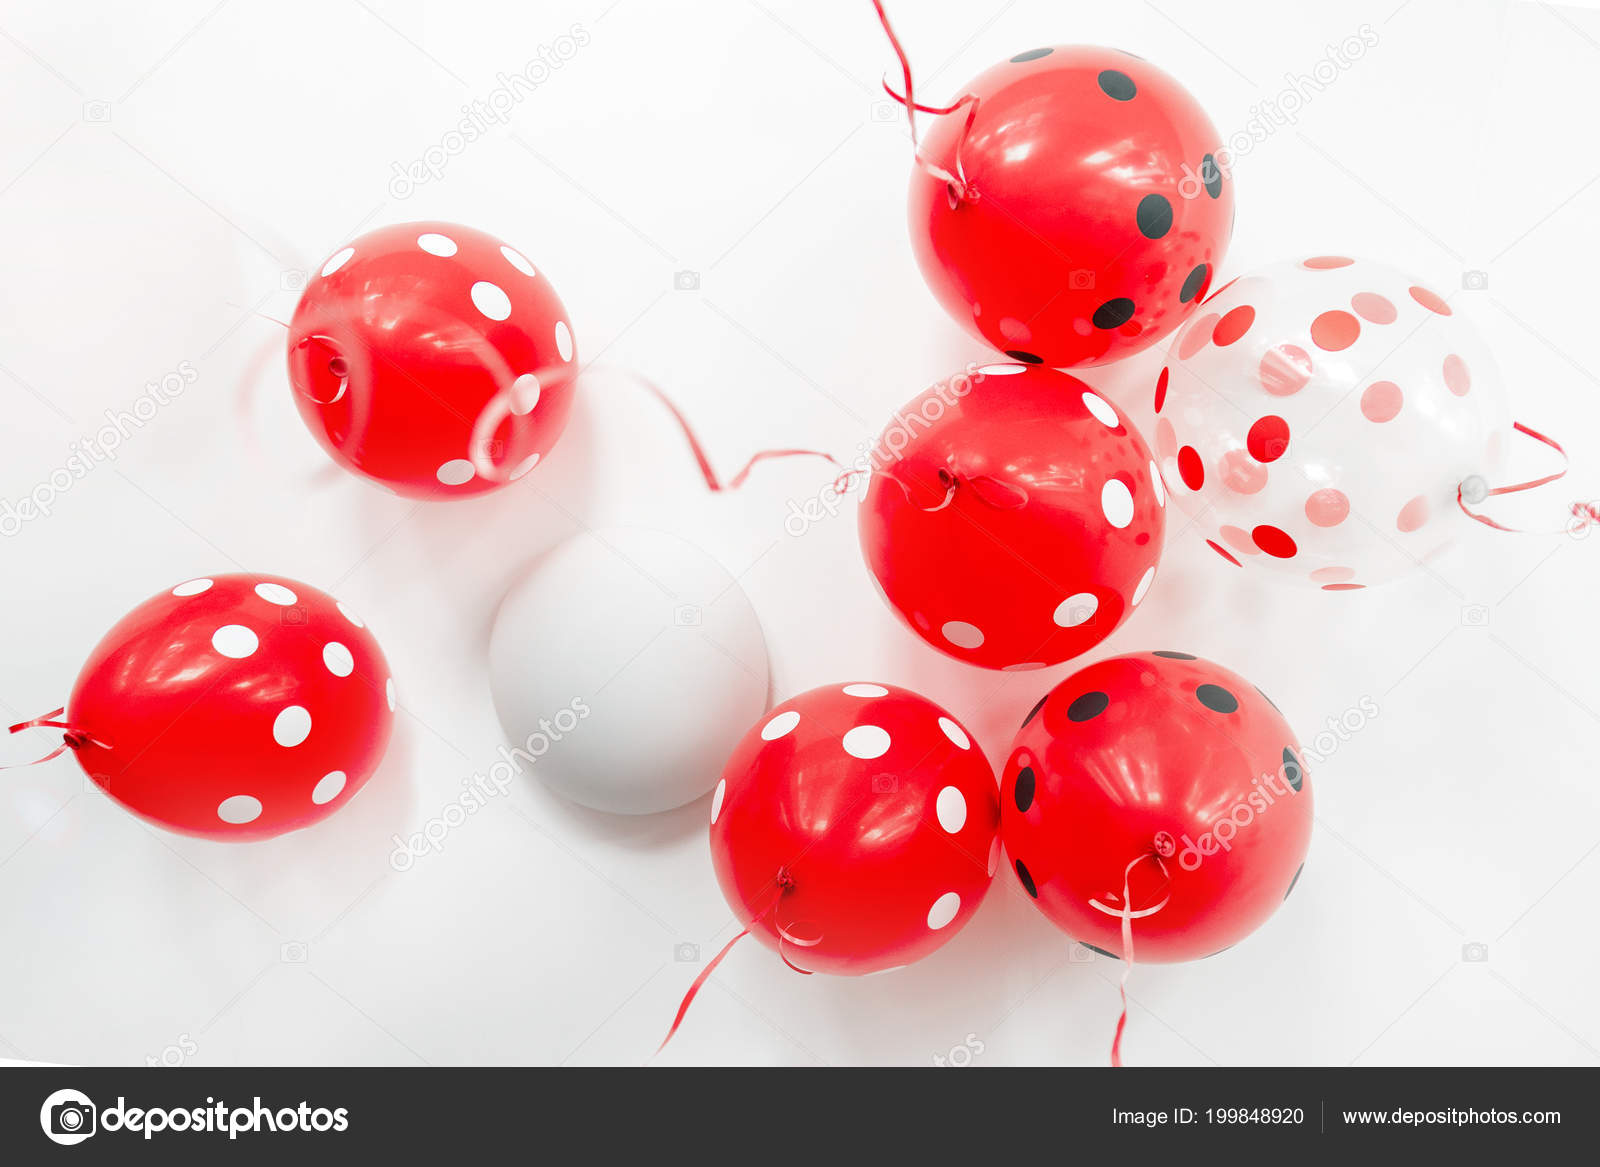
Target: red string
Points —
{"points": [[1127, 947], [694, 989], [957, 184], [72, 739], [1583, 513]]}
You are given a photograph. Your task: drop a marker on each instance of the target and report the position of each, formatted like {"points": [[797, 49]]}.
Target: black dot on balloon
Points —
{"points": [[1174, 655], [1113, 313], [1027, 880], [1101, 951], [1295, 880], [1192, 285], [1217, 698], [1117, 84], [1031, 55], [1154, 217], [1034, 712], [1088, 706], [1017, 354], [1293, 772], [1211, 175], [1024, 789]]}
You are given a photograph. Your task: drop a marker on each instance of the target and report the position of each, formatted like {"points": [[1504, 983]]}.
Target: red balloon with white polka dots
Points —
{"points": [[235, 707], [1321, 415], [854, 829], [1167, 778], [1014, 516], [433, 359], [1073, 207]]}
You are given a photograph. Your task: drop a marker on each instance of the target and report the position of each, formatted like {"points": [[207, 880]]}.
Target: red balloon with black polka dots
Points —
{"points": [[1014, 516], [1167, 757], [236, 707], [854, 829], [1073, 208], [433, 359]]}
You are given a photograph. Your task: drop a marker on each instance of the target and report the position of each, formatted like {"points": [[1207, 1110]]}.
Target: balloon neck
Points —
{"points": [[958, 193], [785, 881], [1164, 845]]}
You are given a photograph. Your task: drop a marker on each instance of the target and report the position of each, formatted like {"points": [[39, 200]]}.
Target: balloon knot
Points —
{"points": [[785, 881], [1165, 845], [75, 739]]}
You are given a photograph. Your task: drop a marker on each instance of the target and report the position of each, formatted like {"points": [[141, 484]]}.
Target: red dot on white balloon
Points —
{"points": [[563, 340], [455, 472], [866, 742], [1413, 515], [1431, 301], [716, 799], [1239, 539], [193, 588], [337, 260], [348, 614], [276, 594], [338, 658], [1144, 585], [1076, 609], [239, 809], [1195, 339], [1456, 376], [292, 725], [955, 733], [524, 394], [1332, 574], [1284, 370], [1327, 507], [780, 725], [235, 641], [1234, 325], [1381, 401], [1242, 474], [491, 300], [865, 690], [435, 244], [1101, 408], [517, 260], [961, 634], [944, 910], [1326, 262], [951, 808], [329, 787], [1373, 307], [1116, 503], [1335, 331]]}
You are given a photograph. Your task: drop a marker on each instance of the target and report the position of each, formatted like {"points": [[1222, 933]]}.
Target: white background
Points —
{"points": [[165, 169]]}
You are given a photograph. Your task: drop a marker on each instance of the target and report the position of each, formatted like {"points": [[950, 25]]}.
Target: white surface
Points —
{"points": [[746, 140], [628, 663]]}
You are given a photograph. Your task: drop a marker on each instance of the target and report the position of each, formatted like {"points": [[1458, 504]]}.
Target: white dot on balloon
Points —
{"points": [[235, 640], [961, 634], [436, 244], [292, 725], [239, 809], [455, 472], [388, 693], [951, 808], [944, 910], [1116, 502], [1156, 483], [780, 725], [193, 588], [1076, 609], [523, 467], [275, 594], [517, 260], [491, 300], [1144, 585], [524, 394], [955, 733], [337, 260], [864, 690], [716, 799], [1002, 370], [1101, 408], [328, 787], [994, 854], [348, 614], [338, 658], [866, 742], [563, 340]]}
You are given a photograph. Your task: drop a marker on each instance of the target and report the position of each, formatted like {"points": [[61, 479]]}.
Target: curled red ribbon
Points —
{"points": [[957, 185], [1584, 514], [72, 739], [1127, 945]]}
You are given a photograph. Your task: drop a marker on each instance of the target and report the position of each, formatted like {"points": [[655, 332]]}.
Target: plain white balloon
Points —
{"points": [[1318, 416], [649, 654]]}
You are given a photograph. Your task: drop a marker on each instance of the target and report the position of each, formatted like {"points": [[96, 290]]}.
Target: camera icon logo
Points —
{"points": [[686, 281], [1474, 616], [686, 616], [885, 111], [885, 783], [293, 280], [686, 953], [67, 1117], [293, 614], [1475, 952], [293, 952], [1081, 280], [97, 111], [1474, 281]]}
